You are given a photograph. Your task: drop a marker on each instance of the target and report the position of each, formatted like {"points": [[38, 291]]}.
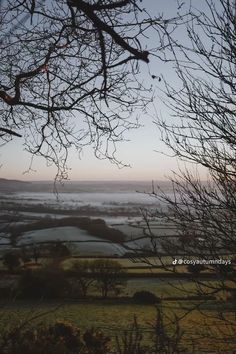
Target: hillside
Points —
{"points": [[11, 185]]}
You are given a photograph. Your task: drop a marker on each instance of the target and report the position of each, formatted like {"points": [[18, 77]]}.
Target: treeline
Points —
{"points": [[103, 276], [83, 210], [95, 227], [99, 278]]}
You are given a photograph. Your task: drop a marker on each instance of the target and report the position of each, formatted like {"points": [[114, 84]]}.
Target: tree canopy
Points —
{"points": [[69, 73], [202, 131]]}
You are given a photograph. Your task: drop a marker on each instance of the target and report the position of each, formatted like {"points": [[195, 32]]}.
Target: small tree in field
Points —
{"points": [[82, 271], [59, 250], [108, 275]]}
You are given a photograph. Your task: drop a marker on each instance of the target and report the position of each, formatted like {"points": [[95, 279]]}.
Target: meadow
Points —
{"points": [[206, 323], [114, 317]]}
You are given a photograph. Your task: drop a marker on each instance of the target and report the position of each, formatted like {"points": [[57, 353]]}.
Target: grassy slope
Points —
{"points": [[115, 317]]}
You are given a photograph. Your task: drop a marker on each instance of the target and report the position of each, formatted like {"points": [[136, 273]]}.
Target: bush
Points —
{"points": [[146, 297], [59, 250], [195, 269], [232, 296], [59, 338], [43, 283], [96, 342], [11, 260]]}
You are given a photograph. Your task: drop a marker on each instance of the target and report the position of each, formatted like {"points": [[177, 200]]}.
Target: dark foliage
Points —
{"points": [[48, 284], [58, 338], [146, 297], [195, 268], [96, 227], [11, 260]]}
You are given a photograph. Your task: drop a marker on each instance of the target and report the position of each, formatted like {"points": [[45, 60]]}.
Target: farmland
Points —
{"points": [[58, 252], [114, 317]]}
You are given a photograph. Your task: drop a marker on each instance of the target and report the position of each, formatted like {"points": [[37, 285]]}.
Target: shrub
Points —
{"points": [[232, 296], [96, 342], [11, 260], [43, 283], [195, 269], [59, 250], [146, 297], [59, 338]]}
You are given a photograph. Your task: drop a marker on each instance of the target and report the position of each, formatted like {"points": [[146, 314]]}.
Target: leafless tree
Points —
{"points": [[202, 131], [109, 276], [83, 281], [69, 73]]}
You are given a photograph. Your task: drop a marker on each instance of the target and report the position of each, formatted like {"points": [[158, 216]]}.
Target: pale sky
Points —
{"points": [[140, 151]]}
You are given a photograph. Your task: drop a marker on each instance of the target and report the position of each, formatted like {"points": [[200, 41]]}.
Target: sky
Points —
{"points": [[140, 152], [143, 151]]}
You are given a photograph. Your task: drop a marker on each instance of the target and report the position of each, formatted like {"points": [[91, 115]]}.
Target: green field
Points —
{"points": [[201, 321], [114, 317]]}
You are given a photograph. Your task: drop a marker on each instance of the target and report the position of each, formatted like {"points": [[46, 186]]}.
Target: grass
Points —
{"points": [[111, 317], [150, 265], [114, 317]]}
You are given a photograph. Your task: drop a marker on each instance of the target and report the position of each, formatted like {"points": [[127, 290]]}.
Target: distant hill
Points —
{"points": [[7, 185], [11, 185]]}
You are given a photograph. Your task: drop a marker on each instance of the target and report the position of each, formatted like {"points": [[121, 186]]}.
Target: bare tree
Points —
{"points": [[202, 131], [109, 276], [83, 280], [69, 73]]}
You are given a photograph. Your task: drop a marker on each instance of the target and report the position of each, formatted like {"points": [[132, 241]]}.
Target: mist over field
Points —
{"points": [[118, 203]]}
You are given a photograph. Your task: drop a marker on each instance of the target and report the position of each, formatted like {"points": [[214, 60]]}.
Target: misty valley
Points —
{"points": [[88, 248]]}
